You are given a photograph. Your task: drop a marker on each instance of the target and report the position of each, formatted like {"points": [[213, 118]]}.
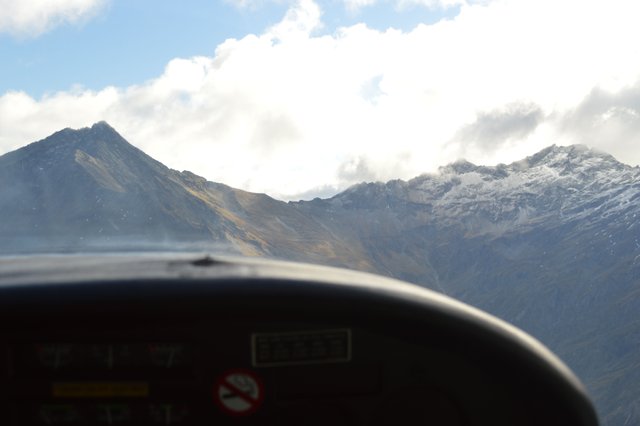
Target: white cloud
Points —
{"points": [[356, 5], [33, 17], [300, 20], [610, 120], [289, 110], [433, 3]]}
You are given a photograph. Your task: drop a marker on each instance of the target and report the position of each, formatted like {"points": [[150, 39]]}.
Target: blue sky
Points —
{"points": [[131, 41], [303, 98]]}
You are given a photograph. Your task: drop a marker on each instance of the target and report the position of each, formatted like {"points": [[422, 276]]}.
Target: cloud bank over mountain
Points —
{"points": [[299, 109]]}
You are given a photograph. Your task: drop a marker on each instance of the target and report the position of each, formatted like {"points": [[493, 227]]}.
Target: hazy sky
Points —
{"points": [[303, 98]]}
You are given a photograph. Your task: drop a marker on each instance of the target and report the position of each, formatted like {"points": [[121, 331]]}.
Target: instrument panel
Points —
{"points": [[168, 343], [205, 375]]}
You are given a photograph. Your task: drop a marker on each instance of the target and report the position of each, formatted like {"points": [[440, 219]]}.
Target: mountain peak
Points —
{"points": [[100, 133], [461, 166], [100, 151], [568, 158], [100, 130], [102, 125]]}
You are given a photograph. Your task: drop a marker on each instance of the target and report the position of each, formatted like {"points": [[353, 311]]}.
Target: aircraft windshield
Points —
{"points": [[485, 149]]}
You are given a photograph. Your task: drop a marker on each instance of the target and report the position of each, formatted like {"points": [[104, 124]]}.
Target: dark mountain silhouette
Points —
{"points": [[550, 243]]}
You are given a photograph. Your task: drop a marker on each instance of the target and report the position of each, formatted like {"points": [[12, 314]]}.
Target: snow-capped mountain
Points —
{"points": [[555, 186]]}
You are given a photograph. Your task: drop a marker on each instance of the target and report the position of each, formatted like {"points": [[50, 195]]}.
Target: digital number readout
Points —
{"points": [[301, 347]]}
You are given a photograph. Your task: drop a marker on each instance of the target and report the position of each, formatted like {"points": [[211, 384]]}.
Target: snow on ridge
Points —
{"points": [[556, 185], [565, 183]]}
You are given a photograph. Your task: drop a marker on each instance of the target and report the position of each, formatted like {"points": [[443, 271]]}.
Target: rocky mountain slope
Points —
{"points": [[89, 189], [550, 243]]}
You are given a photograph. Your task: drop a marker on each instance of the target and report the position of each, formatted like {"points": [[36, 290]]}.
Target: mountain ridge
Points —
{"points": [[550, 243]]}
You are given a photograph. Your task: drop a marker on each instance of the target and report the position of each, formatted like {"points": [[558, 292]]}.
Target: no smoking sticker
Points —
{"points": [[238, 392]]}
